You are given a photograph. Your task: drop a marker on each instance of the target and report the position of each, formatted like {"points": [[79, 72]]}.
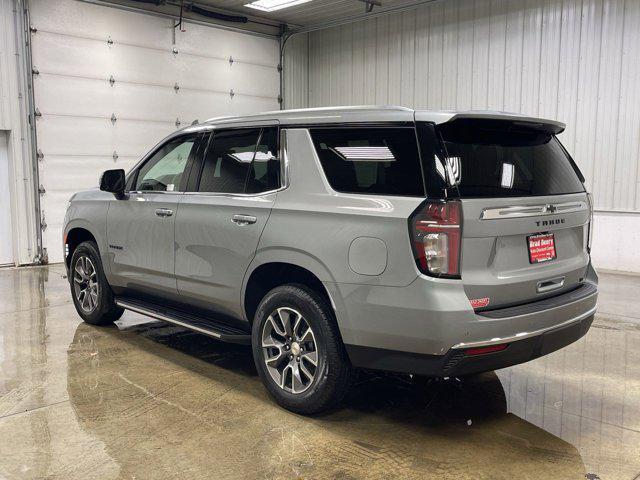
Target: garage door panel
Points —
{"points": [[206, 105], [88, 169], [58, 135], [72, 91], [206, 41], [73, 136], [64, 55], [137, 138], [93, 21], [213, 74], [82, 97], [81, 57]]}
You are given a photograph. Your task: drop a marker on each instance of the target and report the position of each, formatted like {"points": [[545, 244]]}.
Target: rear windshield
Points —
{"points": [[504, 159], [374, 160]]}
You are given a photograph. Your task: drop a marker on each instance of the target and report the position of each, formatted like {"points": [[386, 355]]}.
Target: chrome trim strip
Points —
{"points": [[523, 335], [164, 318], [532, 210]]}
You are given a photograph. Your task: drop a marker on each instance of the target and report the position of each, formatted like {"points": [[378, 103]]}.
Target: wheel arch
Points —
{"points": [[74, 236], [278, 268]]}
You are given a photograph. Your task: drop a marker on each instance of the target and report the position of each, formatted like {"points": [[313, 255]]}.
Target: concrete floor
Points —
{"points": [[148, 400]]}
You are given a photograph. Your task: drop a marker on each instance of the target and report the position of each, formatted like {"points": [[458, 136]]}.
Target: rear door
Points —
{"points": [[525, 211], [220, 221]]}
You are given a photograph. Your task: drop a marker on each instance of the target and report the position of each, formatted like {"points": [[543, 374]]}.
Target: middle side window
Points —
{"points": [[228, 161]]}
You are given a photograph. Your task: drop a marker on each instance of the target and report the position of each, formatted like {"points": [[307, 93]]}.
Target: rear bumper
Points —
{"points": [[456, 362], [428, 328]]}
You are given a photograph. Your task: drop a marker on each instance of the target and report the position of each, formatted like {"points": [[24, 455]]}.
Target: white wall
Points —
{"points": [[75, 60], [573, 60], [13, 119], [6, 236]]}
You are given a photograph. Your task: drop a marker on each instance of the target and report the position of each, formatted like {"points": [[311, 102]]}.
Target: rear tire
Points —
{"points": [[294, 328], [91, 293]]}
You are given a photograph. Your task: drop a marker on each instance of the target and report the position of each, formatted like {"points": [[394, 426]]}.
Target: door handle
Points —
{"points": [[164, 212], [243, 220]]}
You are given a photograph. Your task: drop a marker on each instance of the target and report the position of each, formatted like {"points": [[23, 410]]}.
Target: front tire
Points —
{"points": [[298, 351], [91, 293]]}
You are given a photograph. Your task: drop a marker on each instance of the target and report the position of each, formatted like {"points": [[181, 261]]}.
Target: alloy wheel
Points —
{"points": [[85, 284], [289, 349]]}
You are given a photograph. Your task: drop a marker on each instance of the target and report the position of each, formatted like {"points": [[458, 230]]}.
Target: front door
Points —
{"points": [[140, 228], [219, 225]]}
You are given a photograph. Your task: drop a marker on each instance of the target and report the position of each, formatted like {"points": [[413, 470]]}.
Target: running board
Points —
{"points": [[206, 326]]}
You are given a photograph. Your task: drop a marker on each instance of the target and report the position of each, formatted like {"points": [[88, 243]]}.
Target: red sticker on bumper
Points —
{"points": [[479, 302]]}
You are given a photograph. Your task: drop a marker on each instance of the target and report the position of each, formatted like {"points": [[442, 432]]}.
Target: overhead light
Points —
{"points": [[273, 5], [366, 154]]}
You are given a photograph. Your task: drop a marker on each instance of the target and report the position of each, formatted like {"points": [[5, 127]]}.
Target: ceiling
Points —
{"points": [[304, 16], [312, 13]]}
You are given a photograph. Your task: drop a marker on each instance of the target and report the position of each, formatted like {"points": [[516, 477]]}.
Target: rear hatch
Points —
{"points": [[524, 207]]}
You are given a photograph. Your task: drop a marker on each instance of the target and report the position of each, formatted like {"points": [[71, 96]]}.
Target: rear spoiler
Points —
{"points": [[546, 125]]}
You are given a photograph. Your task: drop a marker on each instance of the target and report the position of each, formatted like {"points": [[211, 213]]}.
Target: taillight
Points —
{"points": [[436, 235], [590, 227]]}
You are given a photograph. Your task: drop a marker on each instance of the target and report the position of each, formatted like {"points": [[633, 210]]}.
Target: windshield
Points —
{"points": [[506, 159]]}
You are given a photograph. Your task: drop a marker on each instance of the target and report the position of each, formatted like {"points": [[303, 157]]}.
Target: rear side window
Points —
{"points": [[228, 161], [264, 174], [370, 160], [505, 159]]}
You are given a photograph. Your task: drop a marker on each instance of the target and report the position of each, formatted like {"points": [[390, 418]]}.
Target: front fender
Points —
{"points": [[92, 217]]}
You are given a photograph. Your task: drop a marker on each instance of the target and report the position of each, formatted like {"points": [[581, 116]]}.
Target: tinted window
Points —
{"points": [[264, 174], [370, 160], [228, 161], [432, 166], [499, 159], [164, 170]]}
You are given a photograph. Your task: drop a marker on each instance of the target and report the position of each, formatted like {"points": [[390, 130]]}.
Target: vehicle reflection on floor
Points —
{"points": [[149, 400], [389, 425]]}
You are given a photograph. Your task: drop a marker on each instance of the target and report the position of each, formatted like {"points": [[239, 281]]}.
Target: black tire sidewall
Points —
{"points": [[106, 312], [324, 390]]}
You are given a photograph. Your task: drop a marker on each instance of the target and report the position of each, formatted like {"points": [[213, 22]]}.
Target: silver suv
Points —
{"points": [[431, 243]]}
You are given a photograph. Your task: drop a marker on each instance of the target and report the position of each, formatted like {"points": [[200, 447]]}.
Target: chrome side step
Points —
{"points": [[206, 326]]}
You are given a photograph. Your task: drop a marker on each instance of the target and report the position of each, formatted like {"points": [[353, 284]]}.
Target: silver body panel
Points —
{"points": [[202, 256], [212, 252]]}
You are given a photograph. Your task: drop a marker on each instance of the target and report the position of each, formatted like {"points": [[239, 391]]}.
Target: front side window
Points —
{"points": [[228, 161], [163, 172], [370, 160]]}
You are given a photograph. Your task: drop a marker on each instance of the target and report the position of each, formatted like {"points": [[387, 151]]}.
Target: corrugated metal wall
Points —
{"points": [[14, 125], [296, 72], [574, 60]]}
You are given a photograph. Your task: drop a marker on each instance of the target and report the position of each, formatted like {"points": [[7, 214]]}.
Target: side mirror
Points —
{"points": [[113, 181]]}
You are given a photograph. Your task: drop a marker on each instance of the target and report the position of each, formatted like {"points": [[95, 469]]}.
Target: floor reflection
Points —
{"points": [[149, 400], [154, 387]]}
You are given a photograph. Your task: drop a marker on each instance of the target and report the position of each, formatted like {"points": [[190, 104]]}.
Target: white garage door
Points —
{"points": [[111, 84]]}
